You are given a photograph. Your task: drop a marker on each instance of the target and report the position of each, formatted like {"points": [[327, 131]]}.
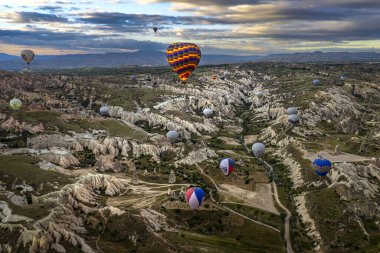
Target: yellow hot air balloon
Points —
{"points": [[184, 58], [28, 56], [15, 104]]}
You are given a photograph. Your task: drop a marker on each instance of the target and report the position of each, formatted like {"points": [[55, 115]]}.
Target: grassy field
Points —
{"points": [[17, 169], [114, 127]]}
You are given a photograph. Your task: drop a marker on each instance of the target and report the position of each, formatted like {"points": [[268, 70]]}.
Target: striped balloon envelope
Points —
{"points": [[227, 166], [321, 166], [184, 58], [195, 197]]}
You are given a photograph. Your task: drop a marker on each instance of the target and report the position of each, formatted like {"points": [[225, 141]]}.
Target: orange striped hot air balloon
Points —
{"points": [[184, 58]]}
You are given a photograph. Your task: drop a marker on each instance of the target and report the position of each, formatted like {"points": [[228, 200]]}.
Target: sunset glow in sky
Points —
{"points": [[245, 27]]}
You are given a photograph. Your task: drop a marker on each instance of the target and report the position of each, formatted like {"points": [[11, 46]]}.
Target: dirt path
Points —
{"points": [[229, 209], [339, 158], [289, 248]]}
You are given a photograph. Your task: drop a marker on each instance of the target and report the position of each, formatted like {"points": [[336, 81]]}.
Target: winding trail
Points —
{"points": [[289, 248], [229, 209]]}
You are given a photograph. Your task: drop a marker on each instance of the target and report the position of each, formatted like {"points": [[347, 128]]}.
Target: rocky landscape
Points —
{"points": [[72, 180]]}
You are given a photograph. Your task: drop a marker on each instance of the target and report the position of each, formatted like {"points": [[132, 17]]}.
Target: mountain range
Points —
{"points": [[157, 58]]}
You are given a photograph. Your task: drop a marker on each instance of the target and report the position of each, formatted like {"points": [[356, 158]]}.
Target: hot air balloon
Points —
{"points": [[207, 112], [258, 149], [259, 94], [15, 104], [172, 136], [292, 110], [316, 82], [104, 111], [28, 56], [133, 78], [184, 58], [293, 119], [155, 29], [321, 166], [195, 197], [227, 166], [213, 77]]}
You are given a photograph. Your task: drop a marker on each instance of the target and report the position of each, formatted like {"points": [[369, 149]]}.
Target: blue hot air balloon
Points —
{"points": [[321, 166]]}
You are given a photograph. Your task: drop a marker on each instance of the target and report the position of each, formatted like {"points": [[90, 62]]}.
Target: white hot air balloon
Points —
{"points": [[172, 136], [258, 149], [293, 119], [15, 104], [207, 112], [316, 82], [292, 110], [27, 56], [104, 111], [259, 94]]}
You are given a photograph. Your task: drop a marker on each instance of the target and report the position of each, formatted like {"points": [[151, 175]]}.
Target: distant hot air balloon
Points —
{"points": [[172, 136], [133, 78], [321, 166], [155, 29], [28, 56], [15, 104], [207, 112], [227, 166], [259, 94], [258, 149], [184, 58], [292, 110], [195, 197], [316, 82], [293, 119], [104, 111], [214, 77]]}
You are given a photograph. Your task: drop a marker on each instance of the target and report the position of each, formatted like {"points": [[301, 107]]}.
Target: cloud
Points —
{"points": [[32, 17], [50, 8]]}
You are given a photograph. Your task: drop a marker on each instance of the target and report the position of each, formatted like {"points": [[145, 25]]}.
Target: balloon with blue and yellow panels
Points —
{"points": [[321, 166], [184, 58]]}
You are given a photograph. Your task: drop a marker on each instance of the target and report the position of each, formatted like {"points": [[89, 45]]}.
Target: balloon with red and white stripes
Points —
{"points": [[227, 166], [195, 197]]}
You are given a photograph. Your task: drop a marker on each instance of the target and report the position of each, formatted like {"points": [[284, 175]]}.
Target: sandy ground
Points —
{"points": [[250, 139], [235, 129], [232, 153], [261, 198], [343, 157], [229, 141]]}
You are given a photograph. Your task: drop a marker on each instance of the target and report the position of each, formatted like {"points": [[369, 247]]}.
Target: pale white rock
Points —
{"points": [[197, 156]]}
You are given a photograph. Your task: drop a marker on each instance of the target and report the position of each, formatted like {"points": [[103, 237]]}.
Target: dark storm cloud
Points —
{"points": [[61, 2], [31, 17], [117, 19], [50, 8], [74, 41]]}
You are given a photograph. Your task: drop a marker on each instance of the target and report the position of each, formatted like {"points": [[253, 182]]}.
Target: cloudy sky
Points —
{"points": [[243, 27]]}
